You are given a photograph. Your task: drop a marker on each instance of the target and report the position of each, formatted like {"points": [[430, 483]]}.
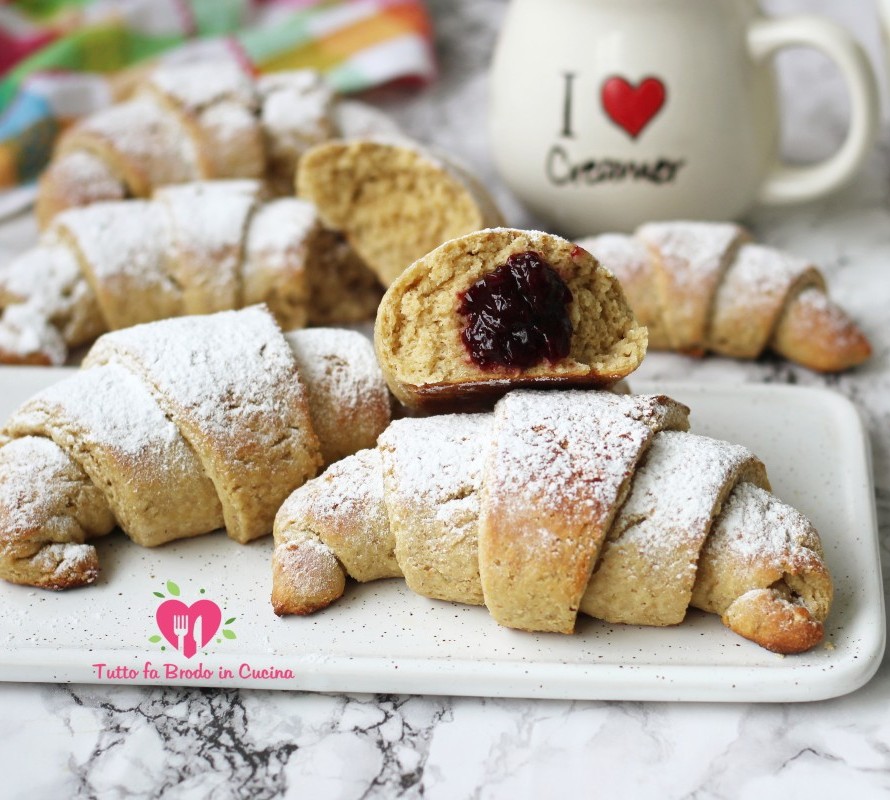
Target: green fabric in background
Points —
{"points": [[217, 17]]}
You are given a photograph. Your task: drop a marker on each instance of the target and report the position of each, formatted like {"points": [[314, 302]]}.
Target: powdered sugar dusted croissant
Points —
{"points": [[177, 428], [189, 122], [559, 502], [194, 249], [701, 286]]}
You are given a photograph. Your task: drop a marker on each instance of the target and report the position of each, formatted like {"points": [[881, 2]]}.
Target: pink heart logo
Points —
{"points": [[177, 621], [633, 107]]}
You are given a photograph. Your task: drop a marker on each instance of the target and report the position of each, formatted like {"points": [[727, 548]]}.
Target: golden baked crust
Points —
{"points": [[559, 502], [704, 287], [418, 330], [394, 202], [278, 250], [120, 249]]}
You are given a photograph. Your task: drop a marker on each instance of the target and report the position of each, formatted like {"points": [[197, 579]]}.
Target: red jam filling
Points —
{"points": [[517, 316]]}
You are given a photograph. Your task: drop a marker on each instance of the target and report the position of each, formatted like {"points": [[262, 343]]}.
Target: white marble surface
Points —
{"points": [[89, 741]]}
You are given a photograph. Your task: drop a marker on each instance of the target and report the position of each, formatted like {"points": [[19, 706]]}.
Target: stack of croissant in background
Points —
{"points": [[553, 499]]}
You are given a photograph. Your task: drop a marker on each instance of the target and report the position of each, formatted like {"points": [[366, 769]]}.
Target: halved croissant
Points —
{"points": [[175, 429], [559, 502], [701, 286], [393, 200], [501, 308]]}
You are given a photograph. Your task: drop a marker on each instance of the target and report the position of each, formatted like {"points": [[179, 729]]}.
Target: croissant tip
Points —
{"points": [[34, 359], [297, 607], [850, 357], [777, 624], [86, 580]]}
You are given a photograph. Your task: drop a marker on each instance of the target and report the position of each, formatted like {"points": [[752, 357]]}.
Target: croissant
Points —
{"points": [[188, 122], [555, 503], [195, 248], [502, 308], [177, 428], [393, 201], [702, 287]]}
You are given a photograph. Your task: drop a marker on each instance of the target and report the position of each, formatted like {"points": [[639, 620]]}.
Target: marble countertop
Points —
{"points": [[109, 742]]}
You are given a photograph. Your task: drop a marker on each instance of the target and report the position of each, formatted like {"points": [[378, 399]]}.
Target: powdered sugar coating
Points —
{"points": [[115, 410], [108, 422], [207, 224], [817, 315], [48, 508], [691, 258], [89, 177], [647, 569], [436, 463], [40, 275], [203, 83], [694, 251], [296, 114], [433, 476], [344, 364], [63, 560], [296, 111], [351, 489], [153, 146], [357, 120], [573, 454], [571, 451], [625, 256], [342, 512], [228, 123], [278, 231], [219, 385], [120, 240], [26, 334], [676, 487], [30, 465], [762, 272], [757, 528], [229, 382]]}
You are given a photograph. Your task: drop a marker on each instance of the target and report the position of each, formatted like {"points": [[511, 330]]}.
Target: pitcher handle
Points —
{"points": [[787, 183]]}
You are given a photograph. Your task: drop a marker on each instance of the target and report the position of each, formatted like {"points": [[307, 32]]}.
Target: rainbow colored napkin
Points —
{"points": [[59, 59]]}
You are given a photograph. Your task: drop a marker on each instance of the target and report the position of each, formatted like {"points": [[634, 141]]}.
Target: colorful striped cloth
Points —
{"points": [[61, 59]]}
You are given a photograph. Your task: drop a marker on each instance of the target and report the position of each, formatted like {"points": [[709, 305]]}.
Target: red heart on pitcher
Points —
{"points": [[633, 107], [176, 621]]}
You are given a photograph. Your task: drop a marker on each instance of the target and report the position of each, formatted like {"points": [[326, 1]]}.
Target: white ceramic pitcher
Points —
{"points": [[609, 113]]}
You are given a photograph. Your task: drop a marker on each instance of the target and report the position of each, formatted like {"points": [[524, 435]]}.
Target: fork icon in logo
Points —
{"points": [[180, 629]]}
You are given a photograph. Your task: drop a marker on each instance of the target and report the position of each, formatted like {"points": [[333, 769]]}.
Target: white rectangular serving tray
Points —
{"points": [[382, 638]]}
